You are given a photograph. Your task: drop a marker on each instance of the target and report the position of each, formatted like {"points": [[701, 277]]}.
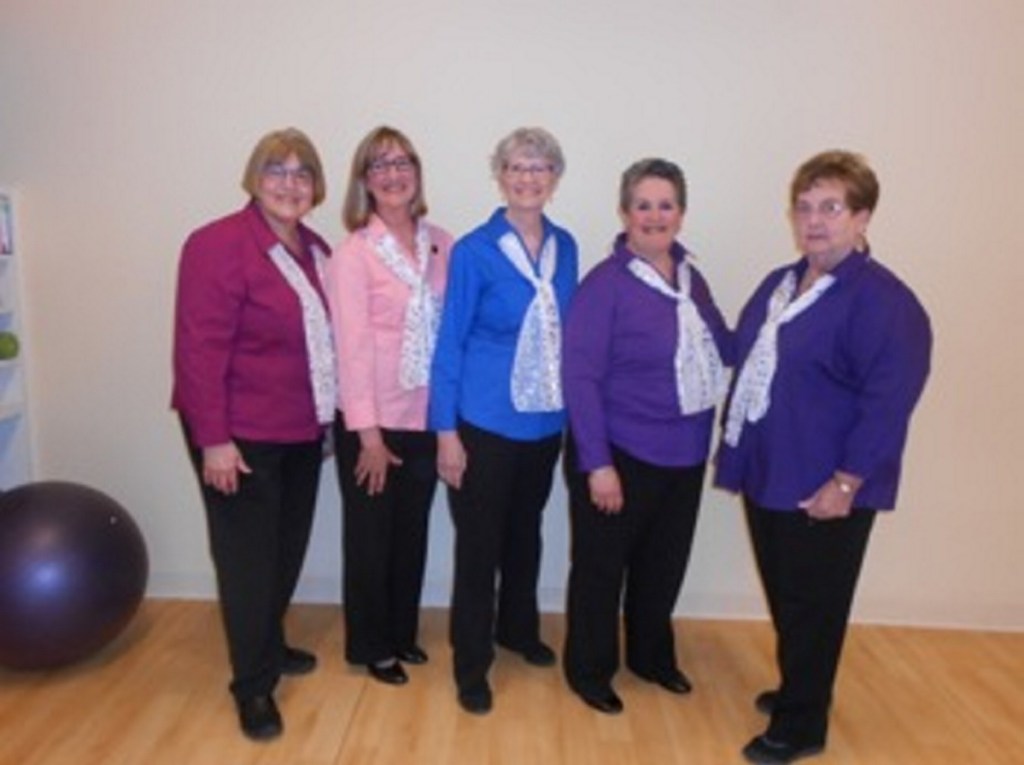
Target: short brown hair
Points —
{"points": [[848, 168], [359, 203], [277, 146], [652, 168]]}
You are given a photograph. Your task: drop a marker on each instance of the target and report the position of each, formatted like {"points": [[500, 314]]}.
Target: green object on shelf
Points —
{"points": [[8, 345]]}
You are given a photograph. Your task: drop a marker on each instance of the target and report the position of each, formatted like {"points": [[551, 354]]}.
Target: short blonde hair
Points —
{"points": [[277, 146], [534, 141], [359, 203]]}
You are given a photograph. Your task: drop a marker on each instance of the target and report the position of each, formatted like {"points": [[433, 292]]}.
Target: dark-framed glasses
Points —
{"points": [[401, 165]]}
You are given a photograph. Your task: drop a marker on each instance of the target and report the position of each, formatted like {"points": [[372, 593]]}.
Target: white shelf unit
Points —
{"points": [[15, 448]]}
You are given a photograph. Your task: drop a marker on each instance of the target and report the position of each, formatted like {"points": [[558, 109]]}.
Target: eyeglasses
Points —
{"points": [[830, 209], [401, 165], [277, 172], [520, 170]]}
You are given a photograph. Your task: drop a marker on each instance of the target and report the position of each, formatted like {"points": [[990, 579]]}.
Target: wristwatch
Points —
{"points": [[844, 486]]}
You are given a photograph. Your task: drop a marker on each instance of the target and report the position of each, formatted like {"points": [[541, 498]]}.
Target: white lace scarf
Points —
{"points": [[422, 312], [536, 370], [751, 399], [701, 379], [317, 327]]}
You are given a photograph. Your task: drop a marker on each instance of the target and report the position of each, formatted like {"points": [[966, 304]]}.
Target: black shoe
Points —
{"points": [[260, 718], [389, 674], [672, 681], [476, 700], [538, 654], [765, 702], [765, 750], [413, 655], [297, 662], [608, 702]]}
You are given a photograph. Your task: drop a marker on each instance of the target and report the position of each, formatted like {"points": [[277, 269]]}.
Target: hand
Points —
{"points": [[605, 490], [829, 501], [451, 458], [222, 464], [374, 460]]}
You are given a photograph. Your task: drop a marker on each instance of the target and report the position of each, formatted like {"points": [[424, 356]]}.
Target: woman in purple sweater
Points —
{"points": [[834, 351], [254, 386], [644, 366]]}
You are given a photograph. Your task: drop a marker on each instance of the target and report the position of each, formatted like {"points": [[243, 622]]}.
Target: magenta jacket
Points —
{"points": [[240, 363]]}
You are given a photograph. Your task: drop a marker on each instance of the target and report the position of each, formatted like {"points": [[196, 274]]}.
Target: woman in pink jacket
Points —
{"points": [[386, 283]]}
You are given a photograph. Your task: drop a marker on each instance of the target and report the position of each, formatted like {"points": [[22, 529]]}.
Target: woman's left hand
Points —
{"points": [[831, 500]]}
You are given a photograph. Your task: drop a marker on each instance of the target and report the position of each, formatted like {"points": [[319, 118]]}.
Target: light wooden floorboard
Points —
{"points": [[157, 696]]}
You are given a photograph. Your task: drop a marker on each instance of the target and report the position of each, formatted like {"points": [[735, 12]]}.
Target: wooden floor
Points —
{"points": [[157, 696]]}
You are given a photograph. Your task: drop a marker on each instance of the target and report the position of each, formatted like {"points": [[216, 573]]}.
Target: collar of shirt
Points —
{"points": [[844, 271], [622, 253], [265, 236]]}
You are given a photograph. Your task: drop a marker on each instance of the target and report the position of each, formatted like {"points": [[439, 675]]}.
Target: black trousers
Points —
{"points": [[497, 518], [258, 539], [637, 557], [385, 543], [809, 570]]}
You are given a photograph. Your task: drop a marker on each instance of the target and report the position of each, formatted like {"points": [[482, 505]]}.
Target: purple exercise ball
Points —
{"points": [[73, 571]]}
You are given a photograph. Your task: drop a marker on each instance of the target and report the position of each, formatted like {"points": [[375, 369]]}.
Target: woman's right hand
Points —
{"points": [[451, 458], [221, 465], [374, 460], [605, 490]]}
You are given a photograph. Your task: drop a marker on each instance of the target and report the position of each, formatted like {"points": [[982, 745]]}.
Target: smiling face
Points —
{"points": [[652, 218], [284, 191], [527, 182], [392, 180], [825, 227]]}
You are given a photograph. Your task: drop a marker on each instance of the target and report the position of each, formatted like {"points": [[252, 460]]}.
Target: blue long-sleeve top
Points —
{"points": [[485, 304], [619, 367], [850, 370]]}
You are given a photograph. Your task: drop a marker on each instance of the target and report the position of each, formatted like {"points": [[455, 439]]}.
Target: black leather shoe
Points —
{"points": [[538, 654], [413, 655], [260, 718], [297, 662], [608, 702], [389, 674], [675, 682], [765, 702], [476, 700], [765, 750], [672, 681]]}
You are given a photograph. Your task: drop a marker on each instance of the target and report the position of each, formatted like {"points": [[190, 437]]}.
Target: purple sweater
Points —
{"points": [[618, 367], [240, 363], [850, 370]]}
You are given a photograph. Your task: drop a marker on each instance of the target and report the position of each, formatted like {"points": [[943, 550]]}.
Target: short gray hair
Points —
{"points": [[534, 141]]}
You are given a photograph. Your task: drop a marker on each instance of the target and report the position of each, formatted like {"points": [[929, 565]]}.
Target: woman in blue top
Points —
{"points": [[645, 356], [496, 402], [834, 352]]}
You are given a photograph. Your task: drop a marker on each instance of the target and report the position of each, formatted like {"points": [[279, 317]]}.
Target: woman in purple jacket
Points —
{"points": [[833, 354], [645, 356], [254, 386]]}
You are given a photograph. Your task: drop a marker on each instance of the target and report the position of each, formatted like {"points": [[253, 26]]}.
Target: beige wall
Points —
{"points": [[125, 124]]}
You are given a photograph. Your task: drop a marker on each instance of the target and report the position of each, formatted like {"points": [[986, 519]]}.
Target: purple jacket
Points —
{"points": [[618, 367], [240, 362], [850, 370]]}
